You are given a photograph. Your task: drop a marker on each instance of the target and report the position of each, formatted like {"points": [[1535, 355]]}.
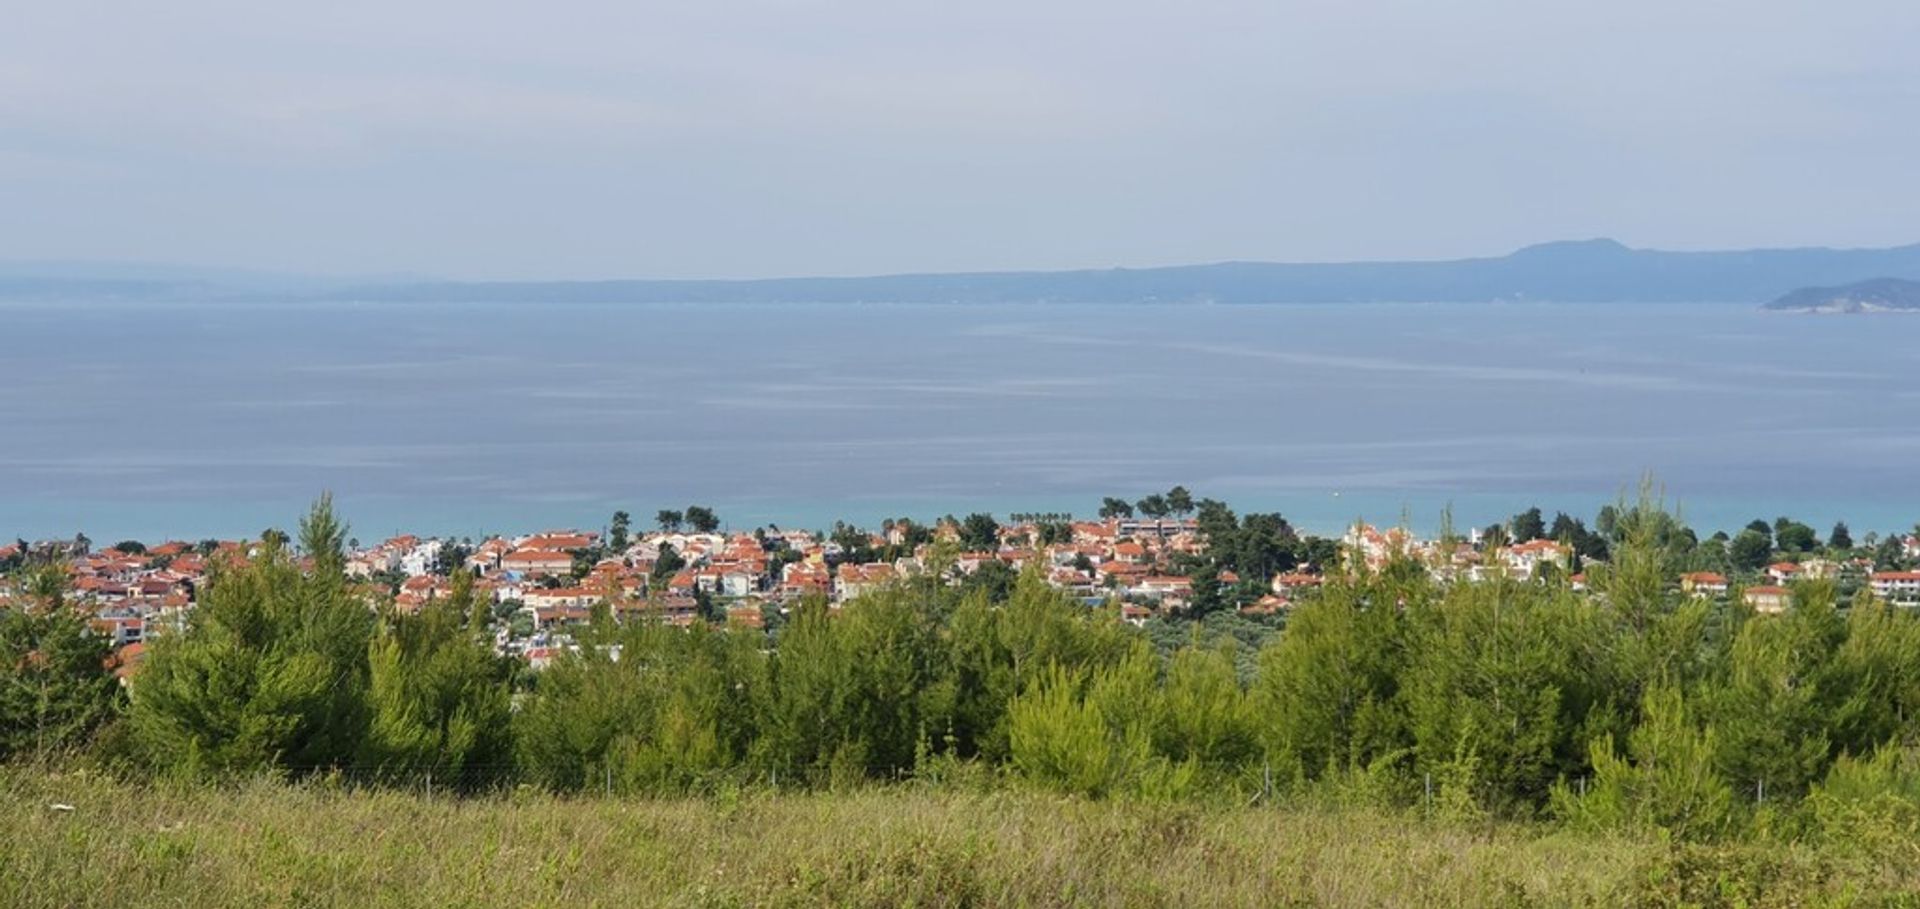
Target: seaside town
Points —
{"points": [[687, 569]]}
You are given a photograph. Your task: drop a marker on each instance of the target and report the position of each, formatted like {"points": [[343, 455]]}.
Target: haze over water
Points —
{"points": [[202, 420]]}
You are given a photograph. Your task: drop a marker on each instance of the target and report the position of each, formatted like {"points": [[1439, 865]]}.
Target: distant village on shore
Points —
{"points": [[540, 585]]}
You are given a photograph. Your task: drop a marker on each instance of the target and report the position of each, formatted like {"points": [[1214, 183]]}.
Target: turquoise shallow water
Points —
{"points": [[224, 419]]}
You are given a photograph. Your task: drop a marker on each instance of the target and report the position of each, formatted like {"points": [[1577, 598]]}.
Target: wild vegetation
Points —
{"points": [[316, 843], [1603, 727]]}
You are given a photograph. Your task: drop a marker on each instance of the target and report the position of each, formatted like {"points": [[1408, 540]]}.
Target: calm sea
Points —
{"points": [[204, 420]]}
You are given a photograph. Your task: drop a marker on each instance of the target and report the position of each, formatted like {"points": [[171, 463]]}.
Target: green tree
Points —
{"points": [[846, 690], [1090, 732], [856, 545], [1772, 707], [675, 712], [1327, 689], [1111, 507], [1574, 533], [1049, 533], [1501, 680], [1207, 718], [1877, 672], [702, 519], [272, 671], [667, 563], [994, 580], [1528, 525], [1665, 781], [980, 532], [437, 696], [1750, 550], [1794, 537], [913, 534], [583, 702], [1207, 597], [451, 558], [1216, 523], [619, 531], [998, 649], [1180, 501], [55, 687], [1607, 521], [1841, 539], [1265, 546], [706, 607], [477, 609], [1889, 556], [1646, 555], [582, 562]]}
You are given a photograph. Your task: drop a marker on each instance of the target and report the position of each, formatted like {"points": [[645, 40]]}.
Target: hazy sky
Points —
{"points": [[727, 138]]}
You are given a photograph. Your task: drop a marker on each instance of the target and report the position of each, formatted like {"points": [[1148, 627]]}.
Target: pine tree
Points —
{"points": [[846, 689], [1207, 717], [272, 671], [1773, 707], [1502, 675], [1877, 670], [1665, 781], [1326, 690], [438, 697], [1091, 732], [55, 687], [997, 651]]}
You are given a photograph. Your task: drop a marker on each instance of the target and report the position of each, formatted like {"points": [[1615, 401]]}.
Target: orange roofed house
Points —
{"points": [[1703, 583], [537, 562], [1901, 588], [1767, 599]]}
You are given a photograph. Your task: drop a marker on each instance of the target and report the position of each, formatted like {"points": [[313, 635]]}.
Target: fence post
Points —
{"points": [[429, 785]]}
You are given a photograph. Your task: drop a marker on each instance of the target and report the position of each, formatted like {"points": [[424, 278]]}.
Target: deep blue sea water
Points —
{"points": [[201, 420]]}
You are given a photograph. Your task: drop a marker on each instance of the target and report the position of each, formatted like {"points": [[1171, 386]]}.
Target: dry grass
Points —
{"points": [[271, 844]]}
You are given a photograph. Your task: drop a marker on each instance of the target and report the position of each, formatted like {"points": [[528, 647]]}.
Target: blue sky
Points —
{"points": [[597, 139]]}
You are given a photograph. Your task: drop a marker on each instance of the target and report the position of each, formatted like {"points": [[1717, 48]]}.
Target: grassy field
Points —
{"points": [[271, 844]]}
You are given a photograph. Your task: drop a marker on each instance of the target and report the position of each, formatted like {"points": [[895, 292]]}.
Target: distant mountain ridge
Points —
{"points": [[1587, 271], [1876, 295]]}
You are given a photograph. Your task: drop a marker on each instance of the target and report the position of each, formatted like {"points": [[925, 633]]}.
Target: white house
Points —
{"points": [[420, 560], [1901, 588]]}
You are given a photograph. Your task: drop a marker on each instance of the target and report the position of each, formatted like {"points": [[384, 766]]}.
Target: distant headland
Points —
{"points": [[1585, 271], [1876, 295]]}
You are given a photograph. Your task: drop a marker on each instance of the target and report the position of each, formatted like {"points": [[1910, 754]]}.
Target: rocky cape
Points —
{"points": [[1876, 295]]}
